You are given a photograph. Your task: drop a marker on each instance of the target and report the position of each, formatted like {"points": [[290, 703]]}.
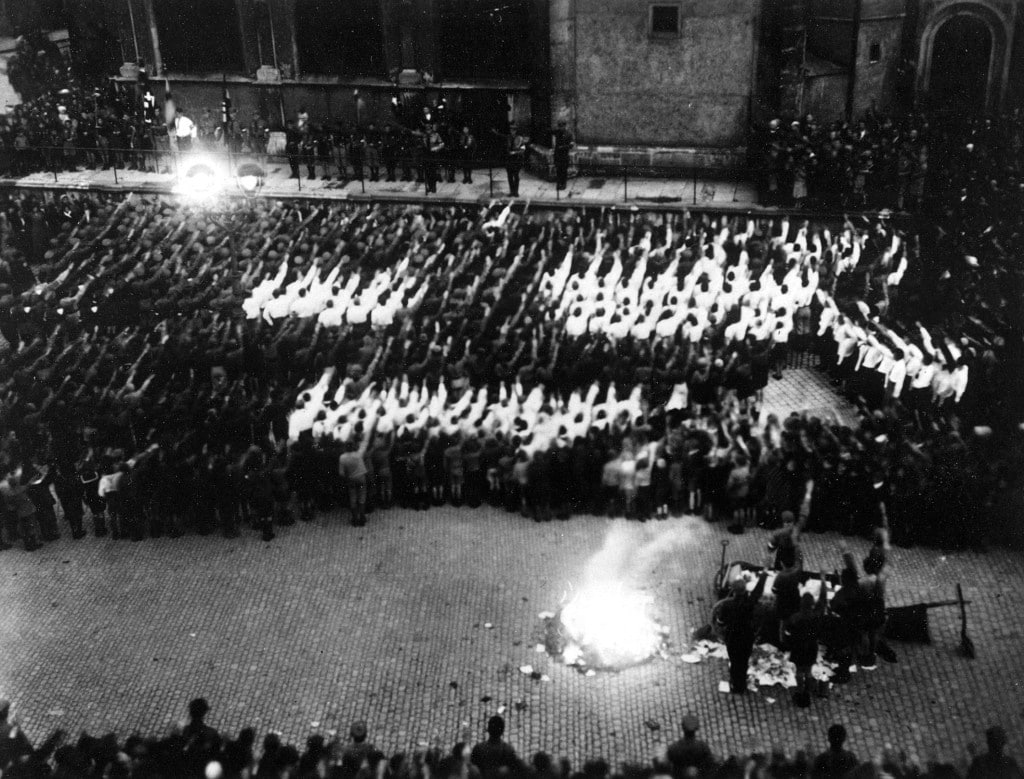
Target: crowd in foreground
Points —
{"points": [[196, 750], [167, 371]]}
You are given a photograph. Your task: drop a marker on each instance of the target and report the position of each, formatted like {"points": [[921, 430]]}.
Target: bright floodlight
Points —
{"points": [[608, 625], [200, 182]]}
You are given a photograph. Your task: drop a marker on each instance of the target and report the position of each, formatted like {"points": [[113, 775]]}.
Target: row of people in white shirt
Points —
{"points": [[334, 300], [903, 361], [540, 418], [643, 304]]}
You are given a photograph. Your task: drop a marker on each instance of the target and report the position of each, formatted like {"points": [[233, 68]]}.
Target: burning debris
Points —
{"points": [[604, 627], [608, 623]]}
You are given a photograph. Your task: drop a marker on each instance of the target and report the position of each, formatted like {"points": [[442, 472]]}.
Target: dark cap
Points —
{"points": [[690, 724], [995, 736], [496, 726]]}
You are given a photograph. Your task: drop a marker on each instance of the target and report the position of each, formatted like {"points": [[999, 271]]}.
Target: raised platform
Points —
{"points": [[710, 192], [651, 162]]}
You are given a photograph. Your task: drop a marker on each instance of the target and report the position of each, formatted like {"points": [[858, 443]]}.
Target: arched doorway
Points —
{"points": [[961, 60]]}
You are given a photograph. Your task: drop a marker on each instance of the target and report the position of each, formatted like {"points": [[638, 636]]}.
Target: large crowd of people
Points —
{"points": [[196, 750], [556, 363], [883, 161], [166, 369], [879, 161], [108, 127]]}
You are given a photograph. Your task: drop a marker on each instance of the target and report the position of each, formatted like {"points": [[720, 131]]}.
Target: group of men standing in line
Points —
{"points": [[433, 152]]}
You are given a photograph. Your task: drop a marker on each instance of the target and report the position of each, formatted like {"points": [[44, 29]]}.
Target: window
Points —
{"points": [[664, 21], [199, 36], [875, 53], [339, 38], [498, 47]]}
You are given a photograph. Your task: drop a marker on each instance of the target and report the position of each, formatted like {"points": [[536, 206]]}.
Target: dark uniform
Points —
{"points": [[357, 154], [563, 144], [467, 150], [373, 145], [734, 617], [389, 149], [433, 151], [341, 147], [515, 159], [292, 141], [324, 149], [308, 149]]}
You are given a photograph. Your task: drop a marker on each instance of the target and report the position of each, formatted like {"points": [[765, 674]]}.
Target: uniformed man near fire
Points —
{"points": [[563, 143], [733, 617]]}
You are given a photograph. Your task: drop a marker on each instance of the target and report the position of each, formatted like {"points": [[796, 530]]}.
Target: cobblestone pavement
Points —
{"points": [[806, 389], [389, 623]]}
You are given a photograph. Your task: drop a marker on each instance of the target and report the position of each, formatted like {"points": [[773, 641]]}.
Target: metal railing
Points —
{"points": [[700, 186], [339, 164]]}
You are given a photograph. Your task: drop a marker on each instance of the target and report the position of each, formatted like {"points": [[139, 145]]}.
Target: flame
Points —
{"points": [[609, 625]]}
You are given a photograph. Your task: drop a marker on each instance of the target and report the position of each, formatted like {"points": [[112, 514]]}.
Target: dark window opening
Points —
{"points": [[875, 53], [484, 39], [199, 36], [665, 20], [339, 39]]}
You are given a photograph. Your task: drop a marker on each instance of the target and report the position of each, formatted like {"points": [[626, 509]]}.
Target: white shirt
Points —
{"points": [[277, 308], [331, 317], [576, 326], [184, 127], [897, 376], [304, 306], [925, 376]]}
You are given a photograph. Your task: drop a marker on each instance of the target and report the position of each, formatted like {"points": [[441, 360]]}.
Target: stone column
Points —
{"points": [[562, 62]]}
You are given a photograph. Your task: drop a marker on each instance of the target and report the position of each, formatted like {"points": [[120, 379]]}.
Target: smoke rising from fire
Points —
{"points": [[632, 551]]}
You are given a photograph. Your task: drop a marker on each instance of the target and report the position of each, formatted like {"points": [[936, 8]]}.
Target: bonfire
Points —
{"points": [[605, 626]]}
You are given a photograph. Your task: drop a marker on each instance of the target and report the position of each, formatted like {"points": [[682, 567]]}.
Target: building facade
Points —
{"points": [[849, 56], [344, 60], [652, 83], [676, 76]]}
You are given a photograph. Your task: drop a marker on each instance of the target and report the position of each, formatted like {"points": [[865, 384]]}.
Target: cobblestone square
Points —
{"points": [[329, 623]]}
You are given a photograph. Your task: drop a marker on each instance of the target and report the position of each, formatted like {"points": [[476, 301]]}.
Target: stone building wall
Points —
{"points": [[617, 84]]}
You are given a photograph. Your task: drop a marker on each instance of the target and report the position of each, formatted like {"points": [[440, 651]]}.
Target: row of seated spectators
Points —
{"points": [[195, 750], [535, 359]]}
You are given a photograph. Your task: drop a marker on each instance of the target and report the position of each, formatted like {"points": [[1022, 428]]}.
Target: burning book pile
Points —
{"points": [[604, 627]]}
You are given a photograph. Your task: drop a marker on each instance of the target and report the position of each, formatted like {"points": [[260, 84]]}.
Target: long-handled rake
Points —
{"points": [[966, 645]]}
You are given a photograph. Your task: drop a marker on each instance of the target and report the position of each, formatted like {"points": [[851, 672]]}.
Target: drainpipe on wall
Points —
{"points": [[851, 80]]}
